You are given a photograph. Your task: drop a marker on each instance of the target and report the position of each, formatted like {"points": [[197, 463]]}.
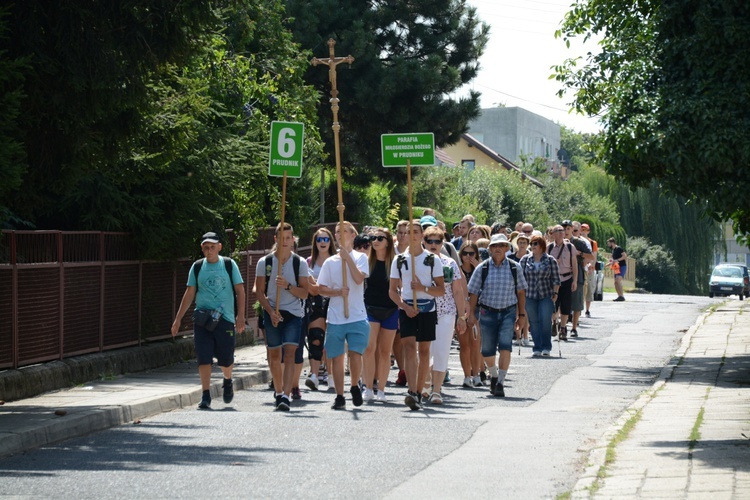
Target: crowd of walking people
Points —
{"points": [[364, 302]]}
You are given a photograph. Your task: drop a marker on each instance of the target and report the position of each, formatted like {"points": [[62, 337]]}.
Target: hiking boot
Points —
{"points": [[295, 393], [493, 385], [228, 390], [499, 390], [356, 395], [401, 379], [339, 403]]}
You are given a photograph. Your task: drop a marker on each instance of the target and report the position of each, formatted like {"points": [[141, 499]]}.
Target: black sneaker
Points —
{"points": [[563, 333], [588, 314], [295, 393], [483, 376], [228, 390], [356, 395], [493, 385], [284, 404], [340, 403], [205, 403], [277, 402], [499, 390], [620, 299], [574, 333], [412, 401]]}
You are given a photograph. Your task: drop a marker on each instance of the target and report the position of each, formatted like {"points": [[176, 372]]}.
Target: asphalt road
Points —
{"points": [[529, 445]]}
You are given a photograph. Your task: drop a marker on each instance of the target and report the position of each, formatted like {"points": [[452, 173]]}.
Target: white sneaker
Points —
{"points": [[312, 382], [525, 343], [478, 381], [545, 352], [536, 354], [380, 397], [368, 395]]}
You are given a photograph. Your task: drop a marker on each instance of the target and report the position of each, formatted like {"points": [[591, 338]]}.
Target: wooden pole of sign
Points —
{"points": [[412, 249], [280, 238], [332, 61]]}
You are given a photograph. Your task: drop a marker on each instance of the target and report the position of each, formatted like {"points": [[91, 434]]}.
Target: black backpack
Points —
{"points": [[402, 261]]}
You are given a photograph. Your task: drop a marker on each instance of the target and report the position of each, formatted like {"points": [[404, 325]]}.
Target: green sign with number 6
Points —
{"points": [[285, 155]]}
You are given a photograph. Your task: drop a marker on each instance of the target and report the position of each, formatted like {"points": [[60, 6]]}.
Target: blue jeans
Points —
{"points": [[540, 322], [497, 330]]}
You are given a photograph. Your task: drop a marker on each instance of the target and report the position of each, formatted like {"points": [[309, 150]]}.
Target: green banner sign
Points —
{"points": [[418, 149], [285, 155]]}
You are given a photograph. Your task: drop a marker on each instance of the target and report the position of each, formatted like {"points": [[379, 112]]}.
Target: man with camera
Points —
{"points": [[215, 320]]}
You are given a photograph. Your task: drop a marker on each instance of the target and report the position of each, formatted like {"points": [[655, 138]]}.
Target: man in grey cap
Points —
{"points": [[213, 282], [498, 287]]}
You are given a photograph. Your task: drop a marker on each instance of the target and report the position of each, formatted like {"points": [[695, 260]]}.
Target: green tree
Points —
{"points": [[409, 57], [670, 82], [657, 271]]}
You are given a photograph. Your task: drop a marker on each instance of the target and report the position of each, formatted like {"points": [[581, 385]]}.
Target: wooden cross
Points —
{"points": [[332, 61]]}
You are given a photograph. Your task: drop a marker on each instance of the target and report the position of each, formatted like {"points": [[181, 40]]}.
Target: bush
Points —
{"points": [[657, 271]]}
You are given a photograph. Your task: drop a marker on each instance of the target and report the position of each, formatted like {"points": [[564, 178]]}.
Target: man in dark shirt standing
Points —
{"points": [[619, 256]]}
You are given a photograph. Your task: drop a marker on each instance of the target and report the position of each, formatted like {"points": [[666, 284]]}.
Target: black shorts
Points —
{"points": [[421, 326], [217, 344], [565, 298]]}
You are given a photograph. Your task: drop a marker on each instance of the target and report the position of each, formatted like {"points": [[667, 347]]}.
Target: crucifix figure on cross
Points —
{"points": [[332, 61]]}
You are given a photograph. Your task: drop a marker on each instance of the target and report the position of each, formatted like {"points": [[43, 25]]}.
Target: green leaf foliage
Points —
{"points": [[656, 268], [409, 58], [671, 83]]}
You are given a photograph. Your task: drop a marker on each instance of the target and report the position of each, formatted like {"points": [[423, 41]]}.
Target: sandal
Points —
{"points": [[436, 398]]}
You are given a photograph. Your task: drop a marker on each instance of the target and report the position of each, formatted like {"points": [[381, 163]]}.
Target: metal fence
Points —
{"points": [[65, 293]]}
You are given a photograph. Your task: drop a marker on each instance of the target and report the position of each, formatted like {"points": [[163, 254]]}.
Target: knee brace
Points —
{"points": [[315, 338]]}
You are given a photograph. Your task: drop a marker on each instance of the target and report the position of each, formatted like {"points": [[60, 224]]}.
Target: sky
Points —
{"points": [[517, 61]]}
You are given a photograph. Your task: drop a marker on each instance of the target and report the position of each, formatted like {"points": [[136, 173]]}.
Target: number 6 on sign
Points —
{"points": [[287, 139]]}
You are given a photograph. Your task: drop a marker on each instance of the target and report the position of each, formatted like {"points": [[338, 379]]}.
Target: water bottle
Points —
{"points": [[215, 318]]}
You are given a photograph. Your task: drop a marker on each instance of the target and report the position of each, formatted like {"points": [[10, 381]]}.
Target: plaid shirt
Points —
{"points": [[498, 290], [542, 278]]}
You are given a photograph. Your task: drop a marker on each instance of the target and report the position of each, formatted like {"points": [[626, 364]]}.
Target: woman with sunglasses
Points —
{"points": [[323, 246], [450, 305], [382, 314], [543, 282], [470, 345]]}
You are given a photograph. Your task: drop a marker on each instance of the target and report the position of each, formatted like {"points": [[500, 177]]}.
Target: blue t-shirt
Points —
{"points": [[215, 287]]}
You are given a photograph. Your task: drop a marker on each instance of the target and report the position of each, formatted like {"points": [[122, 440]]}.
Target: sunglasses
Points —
{"points": [[559, 231], [433, 242], [322, 239], [535, 244], [379, 238], [469, 254]]}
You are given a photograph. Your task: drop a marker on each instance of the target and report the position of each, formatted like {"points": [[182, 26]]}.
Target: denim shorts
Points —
{"points": [[623, 270], [287, 332], [497, 330], [356, 335], [217, 344]]}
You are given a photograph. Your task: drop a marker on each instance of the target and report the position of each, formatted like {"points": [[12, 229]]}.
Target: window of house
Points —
{"points": [[469, 164]]}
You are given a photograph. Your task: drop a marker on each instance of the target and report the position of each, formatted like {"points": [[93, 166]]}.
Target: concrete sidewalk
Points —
{"points": [[55, 416], [689, 436]]}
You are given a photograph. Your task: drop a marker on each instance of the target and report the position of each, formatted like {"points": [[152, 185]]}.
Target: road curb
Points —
{"points": [[598, 454], [73, 424]]}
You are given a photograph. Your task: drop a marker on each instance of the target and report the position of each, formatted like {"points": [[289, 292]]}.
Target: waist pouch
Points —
{"points": [[380, 313], [425, 305]]}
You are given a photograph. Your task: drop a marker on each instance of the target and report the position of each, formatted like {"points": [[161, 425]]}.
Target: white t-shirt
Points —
{"points": [[425, 275], [330, 276], [287, 301]]}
